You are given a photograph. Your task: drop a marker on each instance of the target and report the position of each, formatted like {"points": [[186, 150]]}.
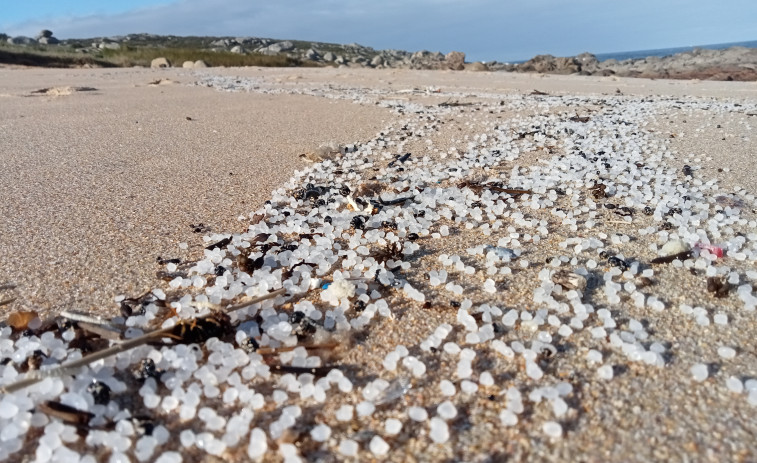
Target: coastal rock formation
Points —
{"points": [[735, 63], [45, 37], [160, 63], [455, 60], [549, 64], [21, 40]]}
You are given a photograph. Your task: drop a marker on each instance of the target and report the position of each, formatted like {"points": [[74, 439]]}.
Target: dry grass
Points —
{"points": [[64, 57]]}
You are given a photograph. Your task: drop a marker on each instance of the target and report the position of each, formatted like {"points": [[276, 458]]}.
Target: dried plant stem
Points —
{"points": [[65, 368]]}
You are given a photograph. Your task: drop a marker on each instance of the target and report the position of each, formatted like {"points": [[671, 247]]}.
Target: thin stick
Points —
{"points": [[255, 300], [37, 376], [7, 301]]}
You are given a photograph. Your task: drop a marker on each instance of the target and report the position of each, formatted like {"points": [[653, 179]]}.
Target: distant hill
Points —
{"points": [[141, 49], [734, 63]]}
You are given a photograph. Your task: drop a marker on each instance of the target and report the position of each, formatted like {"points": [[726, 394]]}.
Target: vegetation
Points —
{"points": [[142, 56], [33, 55], [137, 52]]}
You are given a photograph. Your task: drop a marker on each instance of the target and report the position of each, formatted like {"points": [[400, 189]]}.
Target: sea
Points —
{"points": [[623, 55]]}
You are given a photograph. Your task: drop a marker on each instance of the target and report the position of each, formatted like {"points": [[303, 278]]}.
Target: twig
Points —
{"points": [[65, 368]]}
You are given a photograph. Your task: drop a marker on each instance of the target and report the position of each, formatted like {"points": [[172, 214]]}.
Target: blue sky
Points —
{"points": [[483, 29]]}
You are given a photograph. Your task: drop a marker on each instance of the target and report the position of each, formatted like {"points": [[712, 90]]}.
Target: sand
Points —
{"points": [[97, 184], [105, 173]]}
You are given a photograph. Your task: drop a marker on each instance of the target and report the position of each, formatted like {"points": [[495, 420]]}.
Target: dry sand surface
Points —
{"points": [[103, 172]]}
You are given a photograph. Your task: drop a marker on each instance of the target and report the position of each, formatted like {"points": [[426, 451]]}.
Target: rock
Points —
{"points": [[188, 64], [549, 64], [455, 60], [340, 59], [110, 45], [329, 56], [312, 55], [281, 46], [200, 64], [237, 49], [160, 63], [377, 60], [20, 40], [587, 62], [48, 41], [476, 67], [220, 43], [44, 33]]}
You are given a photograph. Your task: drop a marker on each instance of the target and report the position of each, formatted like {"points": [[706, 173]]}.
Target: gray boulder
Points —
{"points": [[312, 55], [281, 46], [237, 49], [20, 40], [550, 64], [455, 60], [160, 63], [220, 43], [200, 64], [188, 64], [110, 46], [48, 41], [377, 60], [329, 56], [587, 61]]}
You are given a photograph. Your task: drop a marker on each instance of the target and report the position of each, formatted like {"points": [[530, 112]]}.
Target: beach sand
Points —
{"points": [[97, 184]]}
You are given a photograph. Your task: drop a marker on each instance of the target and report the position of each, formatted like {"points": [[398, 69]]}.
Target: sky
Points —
{"points": [[485, 30]]}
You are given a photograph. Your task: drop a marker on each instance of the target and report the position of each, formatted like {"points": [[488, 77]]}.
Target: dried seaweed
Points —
{"points": [[219, 244], [197, 328], [668, 259], [718, 286], [66, 413], [478, 187]]}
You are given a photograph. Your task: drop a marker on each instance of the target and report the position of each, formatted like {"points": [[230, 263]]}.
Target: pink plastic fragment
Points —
{"points": [[717, 251]]}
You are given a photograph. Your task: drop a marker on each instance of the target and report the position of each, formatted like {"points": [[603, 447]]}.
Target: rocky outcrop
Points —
{"points": [[454, 60], [45, 37], [735, 63], [160, 63], [548, 64], [21, 40]]}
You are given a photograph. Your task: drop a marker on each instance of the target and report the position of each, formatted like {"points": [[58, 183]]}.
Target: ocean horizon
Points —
{"points": [[661, 52]]}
